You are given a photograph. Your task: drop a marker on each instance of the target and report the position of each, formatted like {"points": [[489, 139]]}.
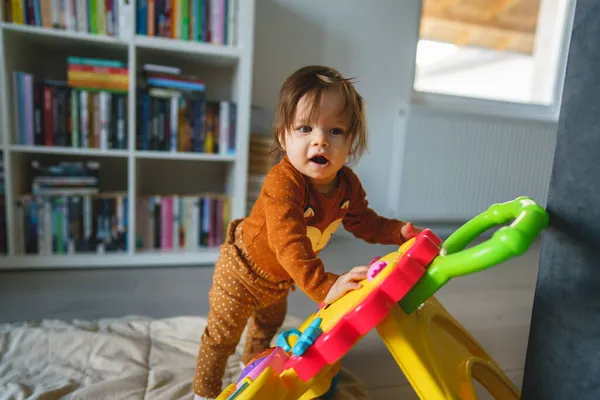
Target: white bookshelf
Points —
{"points": [[227, 73]]}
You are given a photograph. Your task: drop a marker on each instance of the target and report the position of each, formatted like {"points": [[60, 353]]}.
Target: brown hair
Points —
{"points": [[312, 81]]}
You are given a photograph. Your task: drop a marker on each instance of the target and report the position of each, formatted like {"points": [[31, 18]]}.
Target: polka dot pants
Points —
{"points": [[237, 295]]}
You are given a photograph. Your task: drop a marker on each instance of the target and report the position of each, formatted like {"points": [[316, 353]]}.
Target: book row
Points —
{"points": [[185, 123], [64, 178], [3, 233], [97, 74], [88, 224], [50, 113], [90, 110], [48, 225], [209, 21], [181, 222], [100, 17]]}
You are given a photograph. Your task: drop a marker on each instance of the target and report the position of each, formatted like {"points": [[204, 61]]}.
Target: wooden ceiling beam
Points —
{"points": [[490, 18], [463, 34], [498, 7]]}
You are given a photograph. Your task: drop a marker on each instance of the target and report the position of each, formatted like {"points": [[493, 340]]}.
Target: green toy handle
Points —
{"points": [[507, 242]]}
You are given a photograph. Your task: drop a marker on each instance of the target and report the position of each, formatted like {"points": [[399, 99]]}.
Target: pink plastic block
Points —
{"points": [[375, 268], [333, 345], [275, 360]]}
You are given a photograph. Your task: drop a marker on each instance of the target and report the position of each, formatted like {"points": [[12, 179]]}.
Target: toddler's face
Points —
{"points": [[318, 148]]}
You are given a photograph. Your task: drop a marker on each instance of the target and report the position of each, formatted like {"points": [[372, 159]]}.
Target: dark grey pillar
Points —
{"points": [[563, 357]]}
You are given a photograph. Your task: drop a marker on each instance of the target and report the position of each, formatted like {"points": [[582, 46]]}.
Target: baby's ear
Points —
{"points": [[281, 140]]}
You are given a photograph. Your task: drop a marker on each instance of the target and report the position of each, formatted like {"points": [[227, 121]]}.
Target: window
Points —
{"points": [[504, 50]]}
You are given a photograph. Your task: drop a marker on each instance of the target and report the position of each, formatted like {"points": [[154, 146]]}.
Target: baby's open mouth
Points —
{"points": [[321, 160]]}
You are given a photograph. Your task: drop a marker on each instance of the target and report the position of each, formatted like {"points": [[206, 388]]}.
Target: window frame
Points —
{"points": [[512, 109]]}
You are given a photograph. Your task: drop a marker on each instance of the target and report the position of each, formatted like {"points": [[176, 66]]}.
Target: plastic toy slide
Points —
{"points": [[438, 356]]}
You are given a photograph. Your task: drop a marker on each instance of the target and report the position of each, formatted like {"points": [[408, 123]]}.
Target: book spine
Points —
{"points": [[101, 17], [56, 136], [75, 118], [103, 108], [194, 239], [108, 16], [216, 21], [232, 128], [174, 120], [68, 12], [164, 223], [176, 84], [96, 115], [224, 127], [176, 19], [38, 98], [48, 116], [185, 20], [120, 122], [96, 62], [37, 13], [19, 112], [161, 126], [175, 234], [81, 15], [167, 16], [142, 20], [120, 219], [219, 222], [193, 16], [97, 69], [121, 79], [160, 216], [150, 17], [84, 118], [153, 124]]}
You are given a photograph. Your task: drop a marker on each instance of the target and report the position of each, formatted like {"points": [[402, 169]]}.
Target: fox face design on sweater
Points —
{"points": [[318, 238]]}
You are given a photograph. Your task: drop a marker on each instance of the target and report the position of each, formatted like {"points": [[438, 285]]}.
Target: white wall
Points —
{"points": [[486, 74], [372, 41]]}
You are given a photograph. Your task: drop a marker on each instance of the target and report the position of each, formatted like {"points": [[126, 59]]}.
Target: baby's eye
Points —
{"points": [[336, 131], [305, 129]]}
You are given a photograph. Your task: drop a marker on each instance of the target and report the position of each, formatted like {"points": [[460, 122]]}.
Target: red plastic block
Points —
{"points": [[330, 347], [399, 282], [426, 247]]}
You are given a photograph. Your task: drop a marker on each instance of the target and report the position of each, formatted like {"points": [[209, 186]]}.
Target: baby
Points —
{"points": [[319, 126]]}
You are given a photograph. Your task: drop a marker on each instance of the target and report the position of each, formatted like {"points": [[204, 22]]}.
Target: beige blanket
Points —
{"points": [[127, 358]]}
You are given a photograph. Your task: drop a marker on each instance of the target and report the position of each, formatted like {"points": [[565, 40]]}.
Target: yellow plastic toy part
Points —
{"points": [[332, 313], [286, 386], [439, 357]]}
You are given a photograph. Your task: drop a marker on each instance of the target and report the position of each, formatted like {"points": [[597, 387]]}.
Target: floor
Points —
{"points": [[493, 305]]}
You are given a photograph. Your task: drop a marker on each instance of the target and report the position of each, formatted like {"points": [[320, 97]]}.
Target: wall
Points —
{"points": [[467, 162], [372, 41], [376, 43]]}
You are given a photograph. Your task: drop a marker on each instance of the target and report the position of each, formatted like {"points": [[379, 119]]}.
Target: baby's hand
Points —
{"points": [[345, 283], [409, 231]]}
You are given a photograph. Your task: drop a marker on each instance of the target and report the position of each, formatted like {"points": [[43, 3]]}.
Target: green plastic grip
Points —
{"points": [[507, 242]]}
